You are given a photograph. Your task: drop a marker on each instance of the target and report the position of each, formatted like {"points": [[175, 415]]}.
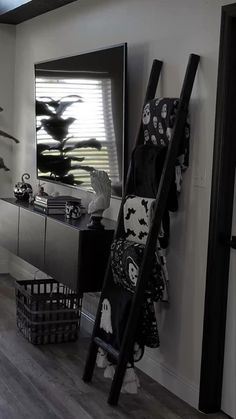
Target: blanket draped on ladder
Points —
{"points": [[127, 251]]}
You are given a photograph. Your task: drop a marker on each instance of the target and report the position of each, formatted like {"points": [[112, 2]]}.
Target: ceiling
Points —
{"points": [[17, 11]]}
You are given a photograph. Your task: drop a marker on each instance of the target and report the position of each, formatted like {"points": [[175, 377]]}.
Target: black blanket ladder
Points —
{"points": [[121, 358]]}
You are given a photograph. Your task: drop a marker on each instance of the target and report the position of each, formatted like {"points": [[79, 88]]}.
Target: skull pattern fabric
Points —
{"points": [[159, 117]]}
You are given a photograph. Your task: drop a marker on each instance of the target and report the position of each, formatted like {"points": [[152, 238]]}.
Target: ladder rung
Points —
{"points": [[108, 348]]}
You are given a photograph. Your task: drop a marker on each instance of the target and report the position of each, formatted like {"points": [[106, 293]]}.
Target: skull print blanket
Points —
{"points": [[158, 122]]}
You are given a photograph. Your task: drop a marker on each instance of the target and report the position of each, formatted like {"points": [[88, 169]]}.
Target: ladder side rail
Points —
{"points": [[161, 199], [92, 352], [150, 94]]}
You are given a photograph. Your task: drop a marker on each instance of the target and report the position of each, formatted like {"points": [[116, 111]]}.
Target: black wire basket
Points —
{"points": [[47, 311]]}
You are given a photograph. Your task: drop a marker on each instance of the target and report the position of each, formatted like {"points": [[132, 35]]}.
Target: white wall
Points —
{"points": [[169, 30], [7, 71]]}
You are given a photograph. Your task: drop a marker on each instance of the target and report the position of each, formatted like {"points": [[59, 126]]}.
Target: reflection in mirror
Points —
{"points": [[80, 118]]}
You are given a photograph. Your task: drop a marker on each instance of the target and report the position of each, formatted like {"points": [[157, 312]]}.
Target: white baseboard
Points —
{"points": [[170, 379]]}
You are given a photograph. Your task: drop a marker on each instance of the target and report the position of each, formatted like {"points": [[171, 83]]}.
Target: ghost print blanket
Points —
{"points": [[126, 259], [115, 310]]}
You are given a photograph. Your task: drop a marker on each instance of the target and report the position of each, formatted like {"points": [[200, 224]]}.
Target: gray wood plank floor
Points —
{"points": [[45, 382]]}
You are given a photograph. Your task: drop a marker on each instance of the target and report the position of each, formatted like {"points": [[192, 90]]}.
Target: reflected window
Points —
{"points": [[75, 131]]}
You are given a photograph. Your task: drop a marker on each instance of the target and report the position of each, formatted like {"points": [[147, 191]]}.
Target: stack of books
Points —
{"points": [[53, 204]]}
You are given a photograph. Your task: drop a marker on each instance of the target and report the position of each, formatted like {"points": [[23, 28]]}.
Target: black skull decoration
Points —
{"points": [[73, 210], [23, 190]]}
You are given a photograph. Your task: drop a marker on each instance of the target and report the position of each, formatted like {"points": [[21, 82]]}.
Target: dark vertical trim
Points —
{"points": [[125, 118], [222, 193], [18, 232]]}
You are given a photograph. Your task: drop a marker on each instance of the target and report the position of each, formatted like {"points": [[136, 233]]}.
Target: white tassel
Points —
{"points": [[109, 371], [101, 360], [131, 382]]}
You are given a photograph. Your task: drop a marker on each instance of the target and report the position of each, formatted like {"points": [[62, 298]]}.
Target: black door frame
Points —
{"points": [[222, 193]]}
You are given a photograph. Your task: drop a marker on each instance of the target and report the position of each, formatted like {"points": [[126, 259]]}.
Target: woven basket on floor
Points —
{"points": [[46, 311]]}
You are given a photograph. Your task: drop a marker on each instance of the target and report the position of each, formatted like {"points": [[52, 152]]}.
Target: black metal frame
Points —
{"points": [[124, 117], [222, 193], [145, 269]]}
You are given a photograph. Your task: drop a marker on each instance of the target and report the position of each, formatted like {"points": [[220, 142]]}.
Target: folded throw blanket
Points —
{"points": [[159, 117], [138, 214], [126, 259]]}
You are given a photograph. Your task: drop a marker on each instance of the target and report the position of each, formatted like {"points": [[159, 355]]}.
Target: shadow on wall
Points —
{"points": [[4, 134]]}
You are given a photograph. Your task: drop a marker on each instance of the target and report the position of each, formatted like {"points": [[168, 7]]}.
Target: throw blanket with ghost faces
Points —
{"points": [[126, 258], [114, 315]]}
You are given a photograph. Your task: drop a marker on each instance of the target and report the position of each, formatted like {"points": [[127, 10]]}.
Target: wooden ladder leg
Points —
{"points": [[117, 381], [126, 353], [93, 347], [90, 363]]}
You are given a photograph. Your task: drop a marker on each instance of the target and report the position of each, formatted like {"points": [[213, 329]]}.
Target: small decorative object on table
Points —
{"points": [[73, 209], [23, 190], [101, 184], [41, 191]]}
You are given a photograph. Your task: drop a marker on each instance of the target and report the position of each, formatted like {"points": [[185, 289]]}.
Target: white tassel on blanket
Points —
{"points": [[109, 371], [101, 360], [130, 383]]}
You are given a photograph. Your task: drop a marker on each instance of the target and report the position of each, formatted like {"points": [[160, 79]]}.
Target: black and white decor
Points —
{"points": [[127, 251]]}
